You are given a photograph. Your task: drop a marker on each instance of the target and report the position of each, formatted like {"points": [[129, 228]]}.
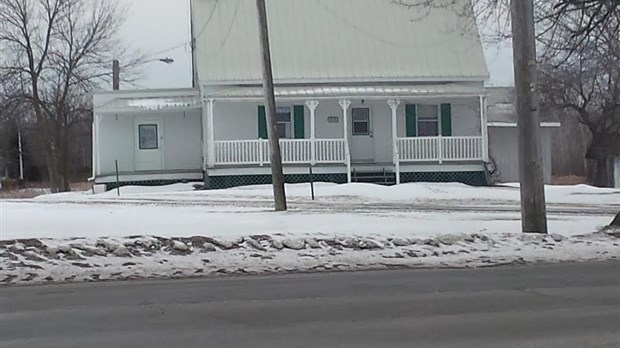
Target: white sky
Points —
{"points": [[156, 25]]}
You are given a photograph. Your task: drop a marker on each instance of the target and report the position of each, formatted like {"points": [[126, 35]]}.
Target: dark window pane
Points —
{"points": [[283, 114], [360, 114], [283, 130], [428, 112], [428, 128], [147, 134], [360, 128]]}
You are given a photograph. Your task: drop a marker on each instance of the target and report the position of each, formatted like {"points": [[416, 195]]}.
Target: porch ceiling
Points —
{"points": [[319, 92]]}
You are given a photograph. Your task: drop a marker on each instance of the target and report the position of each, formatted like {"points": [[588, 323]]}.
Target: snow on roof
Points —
{"points": [[337, 40]]}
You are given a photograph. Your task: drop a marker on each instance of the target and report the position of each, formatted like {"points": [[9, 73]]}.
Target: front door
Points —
{"points": [[362, 143], [149, 144]]}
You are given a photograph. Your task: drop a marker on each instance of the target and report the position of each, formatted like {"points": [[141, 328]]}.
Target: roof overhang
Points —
{"points": [[333, 92], [146, 100], [514, 124]]}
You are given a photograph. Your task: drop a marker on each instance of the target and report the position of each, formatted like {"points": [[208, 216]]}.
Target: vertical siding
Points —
{"points": [[504, 149]]}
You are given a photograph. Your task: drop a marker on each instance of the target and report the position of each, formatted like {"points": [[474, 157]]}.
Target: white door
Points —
{"points": [[362, 143], [149, 144]]}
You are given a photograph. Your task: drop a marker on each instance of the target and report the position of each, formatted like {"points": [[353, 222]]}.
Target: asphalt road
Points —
{"points": [[569, 305]]}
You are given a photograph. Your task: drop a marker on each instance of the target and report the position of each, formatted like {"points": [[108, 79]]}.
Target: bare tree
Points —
{"points": [[55, 52], [493, 17], [580, 76]]}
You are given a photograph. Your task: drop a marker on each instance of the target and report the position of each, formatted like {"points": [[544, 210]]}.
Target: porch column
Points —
{"points": [[210, 133], [394, 103], [345, 104], [484, 128], [312, 105], [97, 144]]}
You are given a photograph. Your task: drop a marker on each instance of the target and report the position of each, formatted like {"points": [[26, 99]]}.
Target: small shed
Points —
{"points": [[503, 135]]}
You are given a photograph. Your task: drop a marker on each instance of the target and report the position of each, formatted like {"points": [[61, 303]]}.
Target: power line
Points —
{"points": [[232, 23], [208, 19], [185, 43]]}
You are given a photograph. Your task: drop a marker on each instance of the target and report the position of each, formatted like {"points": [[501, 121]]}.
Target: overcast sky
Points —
{"points": [[155, 26]]}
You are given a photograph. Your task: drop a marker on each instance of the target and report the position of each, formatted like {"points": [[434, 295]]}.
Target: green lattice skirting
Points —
{"points": [[222, 182], [468, 178], [113, 186]]}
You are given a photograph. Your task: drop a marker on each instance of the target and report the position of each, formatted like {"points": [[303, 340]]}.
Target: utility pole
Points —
{"points": [[279, 194], [533, 210], [116, 75]]}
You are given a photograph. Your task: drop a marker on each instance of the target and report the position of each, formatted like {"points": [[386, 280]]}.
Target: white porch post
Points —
{"points": [[484, 128], [211, 133], [394, 103], [205, 137], [345, 104], [97, 142], [312, 105]]}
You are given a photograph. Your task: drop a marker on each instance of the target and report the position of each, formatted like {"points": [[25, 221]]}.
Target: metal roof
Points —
{"points": [[337, 41], [434, 90], [503, 113]]}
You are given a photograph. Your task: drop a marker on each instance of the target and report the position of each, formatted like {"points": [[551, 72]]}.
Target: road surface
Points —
{"points": [[568, 305]]}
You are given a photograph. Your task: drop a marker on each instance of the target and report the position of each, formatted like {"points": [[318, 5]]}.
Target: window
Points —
{"points": [[361, 121], [147, 137], [428, 120], [285, 124]]}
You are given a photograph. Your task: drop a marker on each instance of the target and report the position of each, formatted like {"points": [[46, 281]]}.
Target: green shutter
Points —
{"points": [[262, 123], [411, 120], [446, 120], [298, 111]]}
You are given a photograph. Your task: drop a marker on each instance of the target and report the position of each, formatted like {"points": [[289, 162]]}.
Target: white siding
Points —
{"points": [[337, 40], [503, 146], [239, 121], [182, 132]]}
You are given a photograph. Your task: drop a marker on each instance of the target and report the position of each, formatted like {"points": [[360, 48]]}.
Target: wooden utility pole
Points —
{"points": [[533, 210], [279, 194], [116, 75]]}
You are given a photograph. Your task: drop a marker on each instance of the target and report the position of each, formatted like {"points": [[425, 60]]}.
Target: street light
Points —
{"points": [[116, 70]]}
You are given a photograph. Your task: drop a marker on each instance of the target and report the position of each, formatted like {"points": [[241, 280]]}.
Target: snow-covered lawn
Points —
{"points": [[348, 226]]}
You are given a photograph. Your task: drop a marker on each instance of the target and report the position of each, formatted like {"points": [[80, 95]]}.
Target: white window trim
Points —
{"points": [[417, 120], [370, 123], [291, 110], [157, 142]]}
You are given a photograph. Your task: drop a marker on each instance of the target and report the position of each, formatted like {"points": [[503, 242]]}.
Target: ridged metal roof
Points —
{"points": [[336, 40]]}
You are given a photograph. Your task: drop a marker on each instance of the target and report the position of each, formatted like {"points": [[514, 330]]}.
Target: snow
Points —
{"points": [[383, 219], [412, 192]]}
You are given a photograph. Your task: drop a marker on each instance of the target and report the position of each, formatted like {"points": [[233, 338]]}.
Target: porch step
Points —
{"points": [[374, 177]]}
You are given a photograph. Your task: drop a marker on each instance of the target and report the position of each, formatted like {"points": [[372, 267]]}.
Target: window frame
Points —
{"points": [[438, 118], [290, 124], [157, 143], [368, 121]]}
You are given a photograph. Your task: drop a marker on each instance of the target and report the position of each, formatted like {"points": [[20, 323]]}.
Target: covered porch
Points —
{"points": [[344, 129]]}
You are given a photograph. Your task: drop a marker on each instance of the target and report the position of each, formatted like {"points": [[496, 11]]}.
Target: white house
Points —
{"points": [[366, 90]]}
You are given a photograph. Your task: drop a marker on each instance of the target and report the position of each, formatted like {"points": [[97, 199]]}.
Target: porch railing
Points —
{"points": [[439, 149], [294, 151]]}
